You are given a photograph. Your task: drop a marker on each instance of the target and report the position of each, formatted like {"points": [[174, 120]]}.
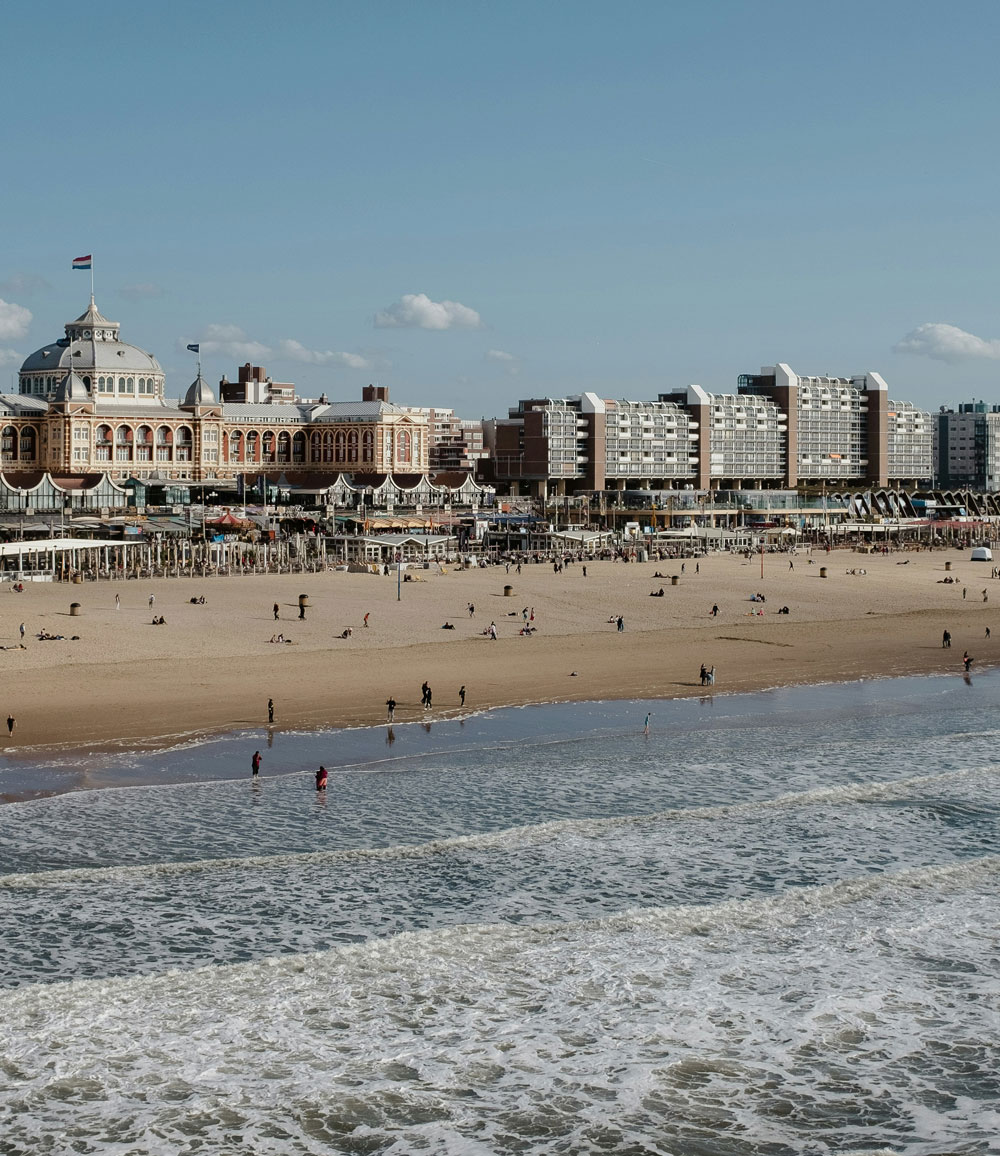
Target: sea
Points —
{"points": [[751, 925]]}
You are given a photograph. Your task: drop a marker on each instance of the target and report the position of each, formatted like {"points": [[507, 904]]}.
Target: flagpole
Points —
{"points": [[92, 276]]}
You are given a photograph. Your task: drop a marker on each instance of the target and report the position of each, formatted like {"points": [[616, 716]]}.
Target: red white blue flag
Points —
{"points": [[82, 262]]}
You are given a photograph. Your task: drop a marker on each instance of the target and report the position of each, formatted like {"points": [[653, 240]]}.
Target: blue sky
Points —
{"points": [[472, 202]]}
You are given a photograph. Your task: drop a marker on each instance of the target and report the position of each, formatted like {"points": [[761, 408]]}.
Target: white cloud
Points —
{"points": [[296, 351], [231, 341], [418, 311], [14, 320], [947, 343], [24, 284], [10, 357], [141, 292], [507, 360]]}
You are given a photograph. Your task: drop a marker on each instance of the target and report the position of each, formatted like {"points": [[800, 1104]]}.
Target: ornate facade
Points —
{"points": [[91, 404]]}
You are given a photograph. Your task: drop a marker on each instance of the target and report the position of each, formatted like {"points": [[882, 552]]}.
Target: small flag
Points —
{"points": [[82, 262], [195, 348]]}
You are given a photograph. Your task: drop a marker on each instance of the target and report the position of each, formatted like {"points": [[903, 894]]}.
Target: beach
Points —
{"points": [[212, 667]]}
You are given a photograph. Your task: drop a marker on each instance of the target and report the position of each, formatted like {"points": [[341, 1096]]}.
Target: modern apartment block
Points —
{"points": [[777, 430], [967, 447]]}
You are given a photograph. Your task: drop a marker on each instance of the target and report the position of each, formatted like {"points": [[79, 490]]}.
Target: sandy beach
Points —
{"points": [[213, 667]]}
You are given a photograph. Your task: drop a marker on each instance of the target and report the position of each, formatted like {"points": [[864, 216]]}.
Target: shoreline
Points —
{"points": [[210, 670]]}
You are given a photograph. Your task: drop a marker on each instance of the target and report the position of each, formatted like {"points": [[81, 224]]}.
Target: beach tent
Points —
{"points": [[982, 554]]}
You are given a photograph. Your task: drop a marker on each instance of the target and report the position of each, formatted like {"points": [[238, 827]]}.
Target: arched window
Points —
{"points": [[403, 446], [121, 384], [144, 444], [299, 447], [164, 444], [267, 443], [130, 385], [123, 444], [29, 443], [352, 446], [236, 446], [368, 446], [102, 450], [316, 448], [182, 444], [341, 446], [253, 446], [8, 444], [328, 447], [284, 447]]}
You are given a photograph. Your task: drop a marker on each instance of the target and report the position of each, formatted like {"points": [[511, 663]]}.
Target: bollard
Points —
{"points": [[674, 579], [74, 609], [947, 565], [508, 591], [822, 571]]}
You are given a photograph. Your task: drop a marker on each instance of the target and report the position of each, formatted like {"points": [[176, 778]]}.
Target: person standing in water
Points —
{"points": [[255, 763], [321, 777]]}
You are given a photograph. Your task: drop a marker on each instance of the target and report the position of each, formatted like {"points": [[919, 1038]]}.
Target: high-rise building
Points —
{"points": [[777, 430], [967, 447]]}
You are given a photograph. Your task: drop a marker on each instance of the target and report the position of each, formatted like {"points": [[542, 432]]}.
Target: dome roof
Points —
{"points": [[200, 393], [72, 388], [91, 345]]}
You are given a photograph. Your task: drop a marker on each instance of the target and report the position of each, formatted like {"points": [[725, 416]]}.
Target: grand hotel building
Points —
{"points": [[91, 406]]}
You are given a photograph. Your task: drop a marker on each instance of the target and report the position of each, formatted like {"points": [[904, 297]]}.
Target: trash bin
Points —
{"points": [[74, 609], [674, 579], [303, 599], [77, 579], [508, 591], [947, 565], [822, 571]]}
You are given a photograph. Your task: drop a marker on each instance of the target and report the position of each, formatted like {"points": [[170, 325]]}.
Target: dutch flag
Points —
{"points": [[82, 262]]}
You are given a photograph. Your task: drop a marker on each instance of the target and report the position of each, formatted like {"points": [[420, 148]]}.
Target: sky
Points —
{"points": [[472, 202]]}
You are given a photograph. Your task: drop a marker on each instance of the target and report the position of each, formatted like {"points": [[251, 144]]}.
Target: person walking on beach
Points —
{"points": [[585, 571], [255, 763], [390, 707], [704, 674], [152, 599], [964, 591], [472, 610], [276, 609], [118, 602], [21, 629], [711, 676], [270, 710], [986, 597], [967, 661], [427, 697], [321, 777], [461, 695], [10, 724], [366, 619], [621, 623], [493, 631], [715, 611], [946, 640]]}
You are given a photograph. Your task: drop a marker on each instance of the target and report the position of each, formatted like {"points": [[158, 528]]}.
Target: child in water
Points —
{"points": [[321, 777]]}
